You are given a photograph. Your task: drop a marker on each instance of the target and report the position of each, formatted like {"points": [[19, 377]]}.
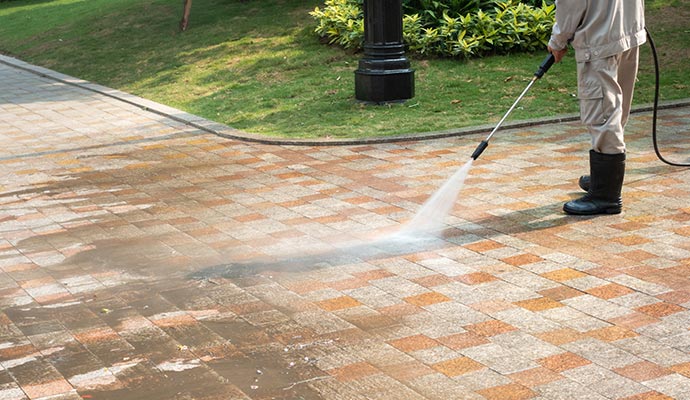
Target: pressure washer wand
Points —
{"points": [[545, 65]]}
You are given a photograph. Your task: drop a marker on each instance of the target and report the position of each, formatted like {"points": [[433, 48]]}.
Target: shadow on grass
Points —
{"points": [[136, 42]]}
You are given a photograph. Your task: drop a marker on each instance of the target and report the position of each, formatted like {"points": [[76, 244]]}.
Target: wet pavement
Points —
{"points": [[144, 258]]}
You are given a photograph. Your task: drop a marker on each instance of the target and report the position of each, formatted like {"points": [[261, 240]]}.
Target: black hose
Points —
{"points": [[656, 104]]}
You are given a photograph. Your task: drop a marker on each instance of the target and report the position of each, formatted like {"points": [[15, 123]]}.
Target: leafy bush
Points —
{"points": [[342, 22], [495, 26]]}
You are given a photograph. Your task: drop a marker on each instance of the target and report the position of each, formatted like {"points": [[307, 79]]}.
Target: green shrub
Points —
{"points": [[504, 26], [341, 22]]}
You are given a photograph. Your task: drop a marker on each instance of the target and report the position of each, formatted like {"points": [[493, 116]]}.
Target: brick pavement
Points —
{"points": [[143, 258]]}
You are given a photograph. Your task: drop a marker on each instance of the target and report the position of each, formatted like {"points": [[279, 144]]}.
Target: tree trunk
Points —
{"points": [[184, 23]]}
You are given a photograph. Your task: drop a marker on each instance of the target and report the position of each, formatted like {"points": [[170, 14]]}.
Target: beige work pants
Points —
{"points": [[605, 89]]}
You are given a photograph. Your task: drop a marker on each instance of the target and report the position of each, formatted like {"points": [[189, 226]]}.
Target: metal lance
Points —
{"points": [[545, 65]]}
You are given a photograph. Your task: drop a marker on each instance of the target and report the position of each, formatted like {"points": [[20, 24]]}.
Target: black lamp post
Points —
{"points": [[384, 74]]}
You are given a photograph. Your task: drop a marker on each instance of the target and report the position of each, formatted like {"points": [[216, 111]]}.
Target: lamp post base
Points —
{"points": [[384, 86], [384, 81]]}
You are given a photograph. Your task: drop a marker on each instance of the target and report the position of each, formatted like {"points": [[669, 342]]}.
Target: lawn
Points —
{"points": [[257, 66]]}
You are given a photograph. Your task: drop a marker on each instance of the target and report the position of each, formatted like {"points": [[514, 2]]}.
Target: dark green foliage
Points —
{"points": [[432, 10], [536, 3]]}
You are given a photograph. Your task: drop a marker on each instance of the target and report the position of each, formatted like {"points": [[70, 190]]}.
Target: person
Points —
{"points": [[606, 35]]}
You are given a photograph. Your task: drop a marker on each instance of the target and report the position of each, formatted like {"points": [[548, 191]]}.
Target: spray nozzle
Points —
{"points": [[480, 149], [545, 65]]}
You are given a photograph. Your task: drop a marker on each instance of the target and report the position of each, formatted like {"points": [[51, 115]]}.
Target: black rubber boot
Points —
{"points": [[606, 182], [583, 182]]}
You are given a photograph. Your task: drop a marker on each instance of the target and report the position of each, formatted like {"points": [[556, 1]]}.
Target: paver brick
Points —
{"points": [[144, 257]]}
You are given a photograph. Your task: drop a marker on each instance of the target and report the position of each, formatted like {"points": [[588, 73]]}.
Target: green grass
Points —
{"points": [[257, 66]]}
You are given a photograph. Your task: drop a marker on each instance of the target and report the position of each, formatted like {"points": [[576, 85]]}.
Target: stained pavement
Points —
{"points": [[144, 258]]}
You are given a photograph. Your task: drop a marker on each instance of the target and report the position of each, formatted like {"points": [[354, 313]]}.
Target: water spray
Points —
{"points": [[545, 65], [430, 217]]}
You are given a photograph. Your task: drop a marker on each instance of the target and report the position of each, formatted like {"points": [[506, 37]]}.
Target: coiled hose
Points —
{"points": [[656, 104]]}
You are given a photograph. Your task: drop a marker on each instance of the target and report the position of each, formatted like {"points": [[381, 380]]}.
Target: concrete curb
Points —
{"points": [[228, 132]]}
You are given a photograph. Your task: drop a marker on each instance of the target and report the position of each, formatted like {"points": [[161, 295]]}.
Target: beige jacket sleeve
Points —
{"points": [[569, 14]]}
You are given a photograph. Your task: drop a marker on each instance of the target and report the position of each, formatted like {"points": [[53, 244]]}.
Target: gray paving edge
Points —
{"points": [[228, 132]]}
